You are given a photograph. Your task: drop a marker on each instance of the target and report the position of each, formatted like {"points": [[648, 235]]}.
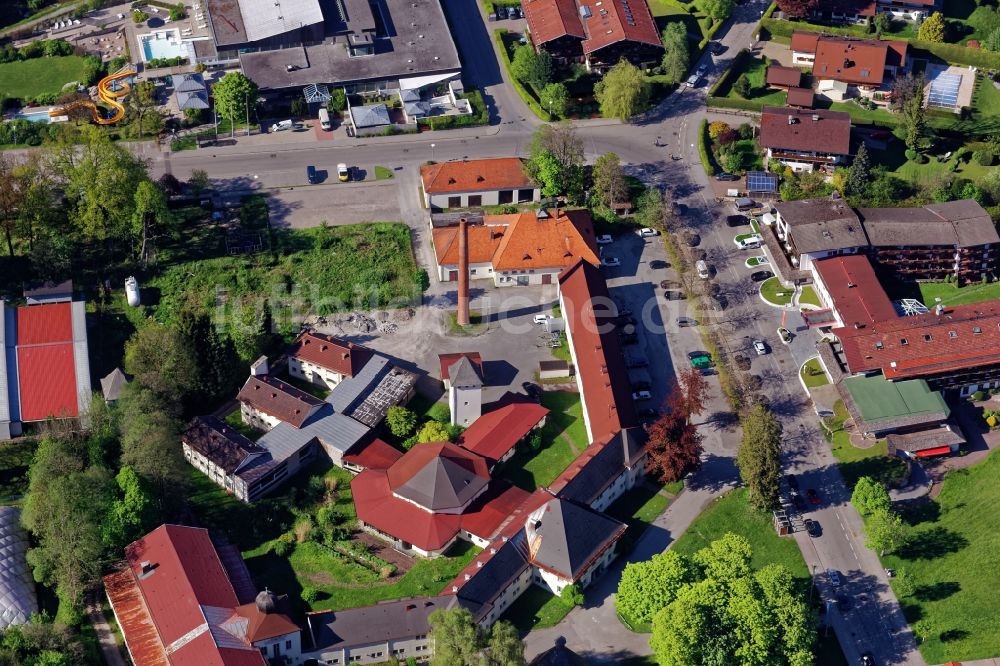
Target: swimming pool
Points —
{"points": [[35, 116], [164, 44]]}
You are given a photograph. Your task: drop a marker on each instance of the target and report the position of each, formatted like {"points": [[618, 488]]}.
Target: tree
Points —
{"points": [[561, 140], [161, 361], [149, 217], [651, 210], [742, 86], [338, 100], [234, 94], [623, 92], [797, 8], [505, 646], [531, 67], [885, 532], [11, 198], [556, 160], [131, 513], [859, 174], [140, 101], [251, 330], [456, 637], [219, 370], [198, 181], [647, 586], [716, 128], [150, 441], [933, 28], [572, 595], [555, 99], [870, 497], [992, 41], [913, 121], [434, 431], [675, 55], [719, 10], [904, 89], [401, 421], [759, 457], [674, 443], [882, 22], [610, 187]]}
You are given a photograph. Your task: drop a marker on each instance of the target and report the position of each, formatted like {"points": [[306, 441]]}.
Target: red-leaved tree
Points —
{"points": [[674, 443], [797, 8]]}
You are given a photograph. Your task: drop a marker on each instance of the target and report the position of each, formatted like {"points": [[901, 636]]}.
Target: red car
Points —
{"points": [[813, 496]]}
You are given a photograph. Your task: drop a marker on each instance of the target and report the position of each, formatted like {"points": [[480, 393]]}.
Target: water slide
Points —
{"points": [[109, 90]]}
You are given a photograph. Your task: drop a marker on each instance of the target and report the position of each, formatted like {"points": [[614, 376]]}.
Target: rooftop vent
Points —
{"points": [[479, 564], [792, 120], [468, 576], [815, 117]]}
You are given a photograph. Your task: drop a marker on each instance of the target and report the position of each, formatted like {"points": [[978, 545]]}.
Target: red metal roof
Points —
{"points": [[937, 451], [857, 295], [331, 353], [447, 360], [44, 324], [601, 371], [47, 380], [140, 633], [374, 455], [377, 506], [495, 433]]}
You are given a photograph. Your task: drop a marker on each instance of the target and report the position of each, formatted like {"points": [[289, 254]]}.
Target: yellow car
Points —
{"points": [[343, 173]]}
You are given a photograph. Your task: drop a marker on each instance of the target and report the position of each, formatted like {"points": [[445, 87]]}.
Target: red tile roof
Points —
{"points": [[377, 506], [331, 353], [930, 346], [801, 97], [549, 20], [600, 366], [804, 41], [262, 626], [620, 20], [501, 173], [374, 455], [447, 360], [186, 576], [483, 243], [785, 77], [830, 132], [46, 369], [496, 432], [857, 295], [278, 399], [857, 61], [485, 517]]}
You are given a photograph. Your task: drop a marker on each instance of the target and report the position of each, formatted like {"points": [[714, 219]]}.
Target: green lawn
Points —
{"points": [[808, 297], [756, 71], [730, 513], [931, 171], [986, 97], [638, 508], [952, 557], [536, 609], [532, 469], [854, 462], [812, 374], [773, 292], [383, 173], [973, 21], [15, 458], [39, 76], [952, 295]]}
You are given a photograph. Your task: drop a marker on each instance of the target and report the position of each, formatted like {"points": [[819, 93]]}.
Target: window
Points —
{"points": [[475, 200], [952, 334], [928, 337], [288, 645], [454, 202], [904, 341]]}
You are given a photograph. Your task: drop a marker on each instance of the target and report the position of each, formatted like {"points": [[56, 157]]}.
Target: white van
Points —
{"points": [[283, 125], [702, 269], [324, 119]]}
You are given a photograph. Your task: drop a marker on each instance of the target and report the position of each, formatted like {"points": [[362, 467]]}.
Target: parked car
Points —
{"points": [[717, 47], [647, 231], [673, 295], [759, 347], [700, 360], [702, 268], [834, 577], [343, 173], [542, 318], [702, 70], [813, 496], [604, 239], [725, 177], [684, 322], [750, 242], [670, 284], [311, 175], [692, 80], [611, 261], [657, 264], [812, 528], [642, 395], [785, 335], [511, 13], [760, 276]]}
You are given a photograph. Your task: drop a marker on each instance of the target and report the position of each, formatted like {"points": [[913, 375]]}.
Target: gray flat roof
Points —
{"points": [[227, 22], [267, 18], [388, 621], [421, 44], [329, 427]]}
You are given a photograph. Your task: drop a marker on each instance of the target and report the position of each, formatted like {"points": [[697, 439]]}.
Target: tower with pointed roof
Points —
{"points": [[465, 392]]}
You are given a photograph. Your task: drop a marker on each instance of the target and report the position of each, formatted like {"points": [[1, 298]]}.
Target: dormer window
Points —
{"points": [[928, 337], [904, 341], [878, 345], [952, 334]]}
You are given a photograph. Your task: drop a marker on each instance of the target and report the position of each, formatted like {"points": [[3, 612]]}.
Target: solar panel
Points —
{"points": [[761, 181], [944, 90]]}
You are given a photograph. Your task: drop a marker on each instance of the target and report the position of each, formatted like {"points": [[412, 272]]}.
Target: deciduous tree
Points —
{"points": [[742, 86], [150, 441], [131, 513], [797, 8], [674, 443], [531, 67], [198, 181], [160, 360], [401, 421], [434, 431], [556, 160], [610, 187], [870, 497], [759, 457], [675, 55], [456, 637], [623, 92], [149, 218], [554, 98], [235, 94], [719, 10], [572, 595], [647, 586], [505, 647], [885, 532]]}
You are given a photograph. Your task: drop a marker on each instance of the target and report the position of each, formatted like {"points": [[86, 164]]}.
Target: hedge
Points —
{"points": [[703, 139], [732, 103], [527, 97], [729, 73], [952, 53], [770, 11]]}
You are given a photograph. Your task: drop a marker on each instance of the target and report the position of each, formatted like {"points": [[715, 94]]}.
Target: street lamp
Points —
{"points": [[432, 152]]}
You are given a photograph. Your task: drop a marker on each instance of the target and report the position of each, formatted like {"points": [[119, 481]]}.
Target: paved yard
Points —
{"points": [[334, 203]]}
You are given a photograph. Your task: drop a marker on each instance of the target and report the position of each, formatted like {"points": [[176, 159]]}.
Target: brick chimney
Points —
{"points": [[462, 317]]}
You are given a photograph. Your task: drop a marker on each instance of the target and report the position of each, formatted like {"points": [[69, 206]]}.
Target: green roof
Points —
{"points": [[879, 399]]}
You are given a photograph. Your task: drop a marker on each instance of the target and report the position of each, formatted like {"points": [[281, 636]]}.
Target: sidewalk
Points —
{"points": [[105, 635]]}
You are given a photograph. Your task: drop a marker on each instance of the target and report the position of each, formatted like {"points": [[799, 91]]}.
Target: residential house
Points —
{"points": [[862, 64], [804, 139], [599, 34], [476, 183], [375, 634], [180, 599], [844, 11], [911, 10], [812, 229], [325, 360], [46, 368], [266, 401], [526, 248]]}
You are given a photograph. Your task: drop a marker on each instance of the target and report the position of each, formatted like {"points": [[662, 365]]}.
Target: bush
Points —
{"points": [[977, 396], [983, 157], [439, 412], [716, 128], [138, 16], [422, 279], [910, 154], [283, 546], [310, 594], [527, 97]]}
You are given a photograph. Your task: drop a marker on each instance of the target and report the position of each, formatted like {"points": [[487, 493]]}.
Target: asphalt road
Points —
{"points": [[266, 163]]}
